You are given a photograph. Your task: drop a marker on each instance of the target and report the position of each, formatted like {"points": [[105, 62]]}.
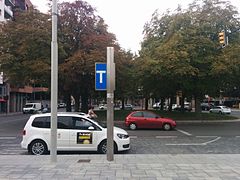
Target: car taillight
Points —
{"points": [[24, 132]]}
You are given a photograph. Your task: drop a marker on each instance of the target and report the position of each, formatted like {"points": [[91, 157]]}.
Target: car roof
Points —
{"points": [[61, 113]]}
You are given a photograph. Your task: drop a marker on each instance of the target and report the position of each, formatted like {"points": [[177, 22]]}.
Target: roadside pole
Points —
{"points": [[54, 84], [110, 101]]}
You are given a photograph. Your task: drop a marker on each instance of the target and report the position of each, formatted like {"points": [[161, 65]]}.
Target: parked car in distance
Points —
{"points": [[102, 106], [220, 110], [32, 108], [156, 105], [187, 107], [75, 133], [148, 119], [62, 105], [128, 107], [206, 106]]}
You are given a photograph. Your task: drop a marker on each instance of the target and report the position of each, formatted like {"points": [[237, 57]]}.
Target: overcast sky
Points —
{"points": [[126, 18]]}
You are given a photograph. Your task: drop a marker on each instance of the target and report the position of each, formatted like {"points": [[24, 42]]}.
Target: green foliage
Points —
{"points": [[180, 50], [25, 48]]}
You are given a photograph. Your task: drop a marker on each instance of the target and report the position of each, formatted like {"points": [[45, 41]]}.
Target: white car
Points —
{"points": [[156, 105], [75, 133], [220, 110], [62, 105], [102, 106]]}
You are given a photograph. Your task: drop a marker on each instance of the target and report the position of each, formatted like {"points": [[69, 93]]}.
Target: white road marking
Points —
{"points": [[206, 136], [10, 145], [184, 132], [195, 144], [133, 137], [208, 142], [5, 138], [159, 137], [237, 136]]}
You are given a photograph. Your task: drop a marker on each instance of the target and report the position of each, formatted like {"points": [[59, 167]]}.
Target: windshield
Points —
{"points": [[101, 123], [28, 105]]}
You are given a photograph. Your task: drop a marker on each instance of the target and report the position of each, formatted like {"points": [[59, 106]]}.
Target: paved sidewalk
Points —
{"points": [[125, 166]]}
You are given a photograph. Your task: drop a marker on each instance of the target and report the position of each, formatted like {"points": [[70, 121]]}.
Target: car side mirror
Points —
{"points": [[91, 128]]}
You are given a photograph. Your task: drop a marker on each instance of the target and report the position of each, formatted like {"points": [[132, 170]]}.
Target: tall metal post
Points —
{"points": [[54, 83], [110, 101]]}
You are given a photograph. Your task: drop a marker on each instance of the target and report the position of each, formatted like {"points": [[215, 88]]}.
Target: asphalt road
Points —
{"points": [[191, 138]]}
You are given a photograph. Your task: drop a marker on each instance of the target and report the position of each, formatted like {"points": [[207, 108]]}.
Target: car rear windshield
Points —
{"points": [[28, 105]]}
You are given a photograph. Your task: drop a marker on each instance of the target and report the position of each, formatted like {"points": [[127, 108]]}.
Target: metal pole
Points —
{"points": [[110, 101], [54, 84]]}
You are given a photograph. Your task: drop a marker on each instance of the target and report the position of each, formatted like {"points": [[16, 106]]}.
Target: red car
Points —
{"points": [[148, 119]]}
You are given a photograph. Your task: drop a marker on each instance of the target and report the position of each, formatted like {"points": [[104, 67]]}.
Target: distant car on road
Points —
{"points": [[148, 119], [187, 107], [102, 106], [128, 107], [206, 106], [62, 105], [220, 110], [156, 105]]}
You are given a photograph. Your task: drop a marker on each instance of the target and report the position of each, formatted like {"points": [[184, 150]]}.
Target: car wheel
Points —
{"points": [[210, 111], [133, 126], [220, 112], [167, 127], [38, 147], [102, 147]]}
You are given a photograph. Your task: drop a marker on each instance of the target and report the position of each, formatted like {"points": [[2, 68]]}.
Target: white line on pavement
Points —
{"points": [[10, 145], [133, 137], [184, 132], [194, 144], [7, 138], [237, 136], [206, 136], [208, 142], [159, 137]]}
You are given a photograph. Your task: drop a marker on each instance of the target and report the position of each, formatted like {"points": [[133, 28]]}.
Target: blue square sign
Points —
{"points": [[101, 76]]}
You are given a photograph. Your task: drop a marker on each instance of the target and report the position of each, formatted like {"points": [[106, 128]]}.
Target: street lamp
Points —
{"points": [[54, 83]]}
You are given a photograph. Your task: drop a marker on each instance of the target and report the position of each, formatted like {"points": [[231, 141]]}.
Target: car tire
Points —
{"points": [[102, 147], [167, 127], [210, 111], [38, 147], [133, 126]]}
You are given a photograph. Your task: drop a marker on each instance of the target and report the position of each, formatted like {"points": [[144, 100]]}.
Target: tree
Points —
{"points": [[182, 48], [85, 38], [25, 48]]}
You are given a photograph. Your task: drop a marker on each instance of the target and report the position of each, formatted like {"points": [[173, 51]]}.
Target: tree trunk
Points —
{"points": [[77, 103], [67, 99], [197, 104], [170, 104], [182, 103], [84, 101], [146, 103], [162, 103], [122, 103]]}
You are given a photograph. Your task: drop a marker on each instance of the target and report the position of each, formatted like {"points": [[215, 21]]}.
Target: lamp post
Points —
{"points": [[54, 83]]}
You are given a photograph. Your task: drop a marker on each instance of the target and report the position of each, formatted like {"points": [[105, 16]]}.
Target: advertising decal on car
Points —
{"points": [[84, 138]]}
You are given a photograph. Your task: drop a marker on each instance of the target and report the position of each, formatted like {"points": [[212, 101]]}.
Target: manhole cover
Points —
{"points": [[84, 160]]}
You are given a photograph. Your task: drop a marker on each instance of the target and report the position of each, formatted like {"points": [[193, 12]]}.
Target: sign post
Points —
{"points": [[110, 101], [105, 80], [54, 84]]}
